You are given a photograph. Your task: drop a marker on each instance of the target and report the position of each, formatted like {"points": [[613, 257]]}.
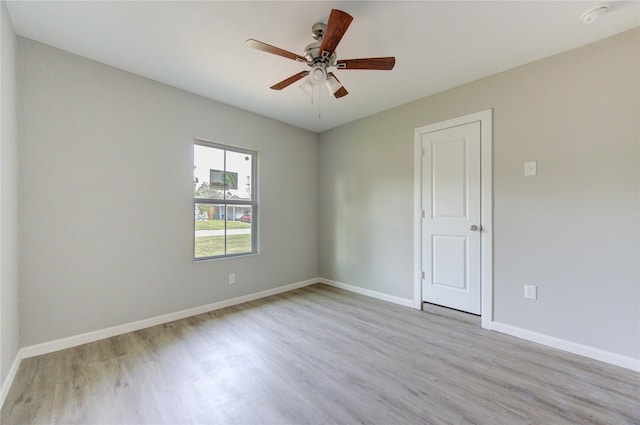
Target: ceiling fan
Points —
{"points": [[320, 56]]}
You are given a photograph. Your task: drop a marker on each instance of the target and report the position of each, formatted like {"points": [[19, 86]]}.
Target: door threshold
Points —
{"points": [[451, 313]]}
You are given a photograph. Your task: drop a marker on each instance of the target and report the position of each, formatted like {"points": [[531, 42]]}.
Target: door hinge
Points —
{"points": [[423, 213], [422, 275], [422, 151]]}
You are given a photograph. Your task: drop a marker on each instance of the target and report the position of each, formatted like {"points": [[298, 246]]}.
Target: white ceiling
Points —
{"points": [[199, 46]]}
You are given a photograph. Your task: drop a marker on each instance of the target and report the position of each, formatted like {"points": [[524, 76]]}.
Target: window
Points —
{"points": [[224, 201]]}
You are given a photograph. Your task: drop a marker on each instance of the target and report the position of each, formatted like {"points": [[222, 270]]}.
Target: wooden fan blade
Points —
{"points": [[259, 45], [288, 81], [382, 64], [341, 92], [337, 25]]}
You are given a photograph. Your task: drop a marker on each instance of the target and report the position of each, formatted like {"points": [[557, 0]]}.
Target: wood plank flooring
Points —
{"points": [[320, 355]]}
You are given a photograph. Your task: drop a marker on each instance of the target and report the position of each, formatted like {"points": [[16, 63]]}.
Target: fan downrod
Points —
{"points": [[317, 30]]}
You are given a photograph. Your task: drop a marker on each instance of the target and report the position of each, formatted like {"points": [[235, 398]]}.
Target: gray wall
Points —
{"points": [[106, 197], [573, 229], [9, 319]]}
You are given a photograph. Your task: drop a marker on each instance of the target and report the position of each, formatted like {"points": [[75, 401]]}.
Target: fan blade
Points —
{"points": [[288, 81], [341, 92], [337, 25], [259, 45], [382, 64]]}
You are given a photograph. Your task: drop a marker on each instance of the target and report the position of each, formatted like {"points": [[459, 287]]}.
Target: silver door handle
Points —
{"points": [[474, 228]]}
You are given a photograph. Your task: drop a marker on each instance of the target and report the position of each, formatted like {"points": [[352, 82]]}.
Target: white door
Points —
{"points": [[451, 228]]}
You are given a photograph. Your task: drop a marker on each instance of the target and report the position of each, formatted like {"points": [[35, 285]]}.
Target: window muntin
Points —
{"points": [[224, 201]]}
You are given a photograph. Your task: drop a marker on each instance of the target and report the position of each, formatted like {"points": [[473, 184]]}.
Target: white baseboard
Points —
{"points": [[6, 384], [374, 294], [571, 347], [73, 341]]}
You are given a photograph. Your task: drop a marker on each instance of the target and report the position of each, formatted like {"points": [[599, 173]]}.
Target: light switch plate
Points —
{"points": [[530, 168]]}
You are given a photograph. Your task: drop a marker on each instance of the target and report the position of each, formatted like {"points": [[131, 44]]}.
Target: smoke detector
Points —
{"points": [[594, 14]]}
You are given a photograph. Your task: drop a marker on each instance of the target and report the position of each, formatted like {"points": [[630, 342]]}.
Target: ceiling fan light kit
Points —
{"points": [[320, 56]]}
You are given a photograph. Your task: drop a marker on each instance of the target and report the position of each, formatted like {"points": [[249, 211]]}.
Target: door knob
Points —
{"points": [[474, 228]]}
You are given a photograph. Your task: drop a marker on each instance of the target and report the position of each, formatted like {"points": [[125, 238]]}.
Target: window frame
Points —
{"points": [[253, 203]]}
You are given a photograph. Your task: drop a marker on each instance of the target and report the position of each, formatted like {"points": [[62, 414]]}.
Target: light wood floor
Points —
{"points": [[319, 355]]}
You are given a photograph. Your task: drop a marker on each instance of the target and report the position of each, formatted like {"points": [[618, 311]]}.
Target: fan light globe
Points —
{"points": [[317, 76], [333, 84], [307, 87]]}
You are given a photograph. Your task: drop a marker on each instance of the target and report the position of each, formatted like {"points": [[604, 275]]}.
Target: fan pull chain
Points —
{"points": [[319, 103]]}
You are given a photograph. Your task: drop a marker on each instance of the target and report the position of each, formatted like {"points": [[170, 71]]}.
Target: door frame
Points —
{"points": [[486, 211]]}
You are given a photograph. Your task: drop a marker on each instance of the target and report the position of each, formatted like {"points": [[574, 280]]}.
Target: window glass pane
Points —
{"points": [[239, 175], [224, 200], [239, 229], [209, 227], [208, 172]]}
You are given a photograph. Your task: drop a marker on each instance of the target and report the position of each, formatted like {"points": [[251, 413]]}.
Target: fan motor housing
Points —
{"points": [[313, 56], [312, 51]]}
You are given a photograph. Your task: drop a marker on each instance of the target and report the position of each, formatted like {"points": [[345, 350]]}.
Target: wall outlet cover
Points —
{"points": [[531, 292], [530, 168]]}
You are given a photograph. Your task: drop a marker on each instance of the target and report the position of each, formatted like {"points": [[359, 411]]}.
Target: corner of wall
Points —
{"points": [[9, 314]]}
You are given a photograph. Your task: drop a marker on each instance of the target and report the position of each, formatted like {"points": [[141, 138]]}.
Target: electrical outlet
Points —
{"points": [[232, 278], [531, 292], [530, 168]]}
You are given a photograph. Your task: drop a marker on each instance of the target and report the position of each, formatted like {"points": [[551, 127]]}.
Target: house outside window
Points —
{"points": [[224, 201]]}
